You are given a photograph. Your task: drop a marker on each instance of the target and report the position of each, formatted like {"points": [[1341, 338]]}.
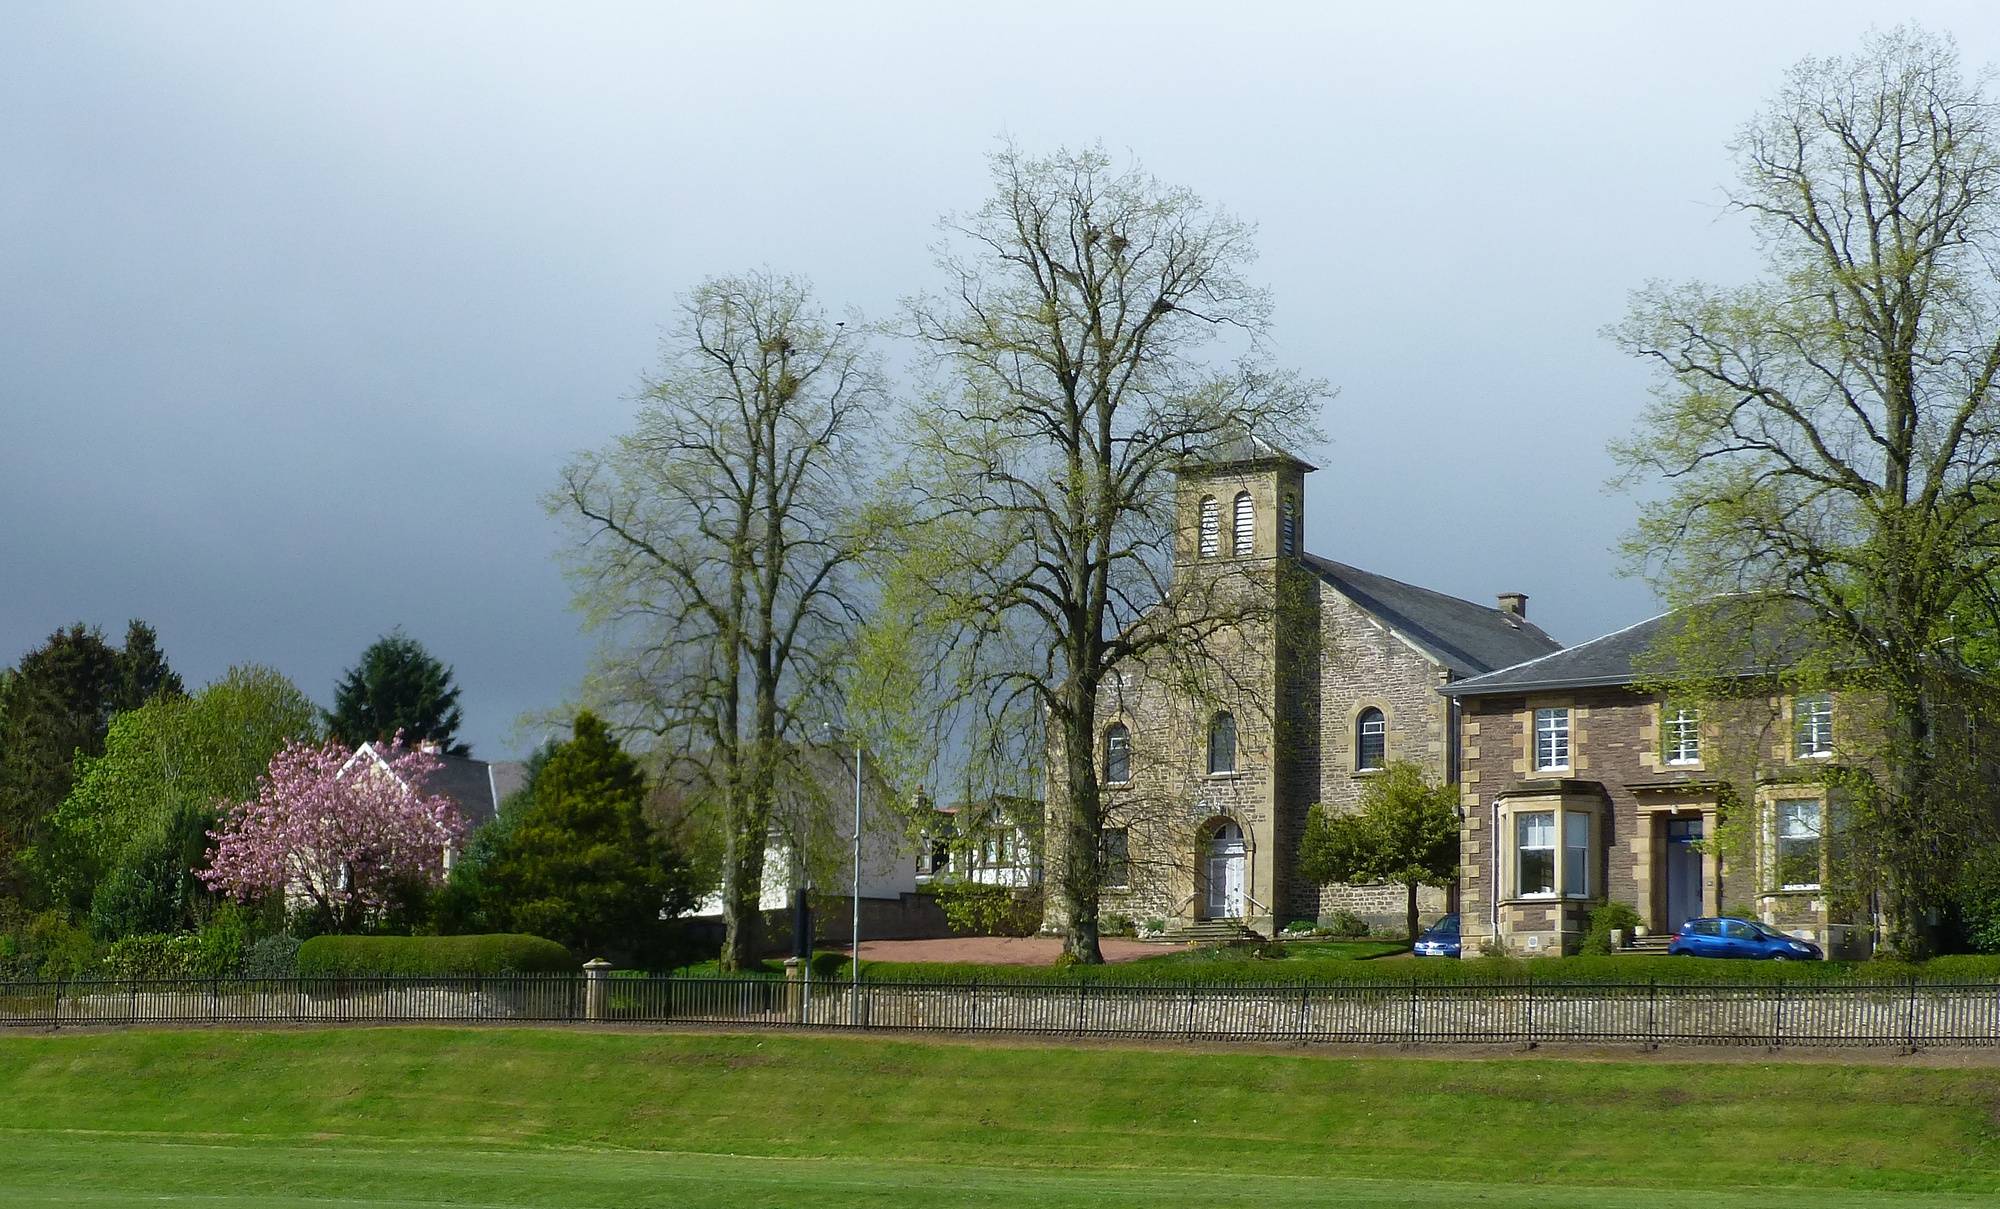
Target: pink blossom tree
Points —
{"points": [[336, 831]]}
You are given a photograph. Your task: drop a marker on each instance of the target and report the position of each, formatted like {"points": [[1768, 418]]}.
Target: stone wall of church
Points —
{"points": [[1360, 665], [1170, 802]]}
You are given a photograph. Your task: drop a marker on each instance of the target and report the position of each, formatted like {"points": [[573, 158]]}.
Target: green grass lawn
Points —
{"points": [[545, 1117]]}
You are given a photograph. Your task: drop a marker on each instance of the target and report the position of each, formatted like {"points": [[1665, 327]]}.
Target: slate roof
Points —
{"points": [[478, 786], [1766, 646], [1466, 638], [1245, 448]]}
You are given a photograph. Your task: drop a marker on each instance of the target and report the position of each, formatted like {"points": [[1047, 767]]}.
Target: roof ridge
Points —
{"points": [[1441, 595], [1571, 650]]}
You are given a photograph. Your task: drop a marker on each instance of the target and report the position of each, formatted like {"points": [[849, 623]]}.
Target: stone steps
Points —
{"points": [[1211, 931]]}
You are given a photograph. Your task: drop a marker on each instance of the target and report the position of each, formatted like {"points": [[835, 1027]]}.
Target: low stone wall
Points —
{"points": [[1908, 1015]]}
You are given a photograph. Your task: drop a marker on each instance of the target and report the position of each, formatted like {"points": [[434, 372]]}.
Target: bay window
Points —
{"points": [[1535, 854], [1554, 852], [1797, 843], [1576, 854]]}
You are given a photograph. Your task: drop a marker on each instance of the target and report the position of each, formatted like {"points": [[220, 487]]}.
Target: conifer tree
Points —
{"points": [[60, 702], [397, 686], [582, 866]]}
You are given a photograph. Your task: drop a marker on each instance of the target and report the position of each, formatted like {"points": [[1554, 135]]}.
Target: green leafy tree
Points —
{"points": [[397, 686], [581, 865], [60, 702], [133, 827], [1823, 439], [1406, 833], [1096, 330], [718, 543]]}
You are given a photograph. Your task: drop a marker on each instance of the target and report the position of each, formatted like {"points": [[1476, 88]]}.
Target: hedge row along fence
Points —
{"points": [[432, 956]]}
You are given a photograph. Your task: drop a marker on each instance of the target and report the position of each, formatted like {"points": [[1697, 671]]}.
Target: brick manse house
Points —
{"points": [[1206, 795], [1580, 786]]}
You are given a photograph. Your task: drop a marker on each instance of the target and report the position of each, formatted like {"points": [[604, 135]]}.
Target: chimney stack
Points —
{"points": [[1515, 604]]}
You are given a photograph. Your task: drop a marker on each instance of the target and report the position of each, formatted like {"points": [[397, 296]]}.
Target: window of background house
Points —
{"points": [[1289, 532], [1576, 854], [1798, 844], [1812, 722], [1117, 857], [1551, 740], [1680, 732], [1371, 740], [1244, 530], [1535, 854], [1117, 754], [1211, 527], [1222, 744]]}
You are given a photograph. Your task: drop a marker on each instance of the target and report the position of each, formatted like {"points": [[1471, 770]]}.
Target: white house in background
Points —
{"points": [[812, 835], [993, 843], [476, 787]]}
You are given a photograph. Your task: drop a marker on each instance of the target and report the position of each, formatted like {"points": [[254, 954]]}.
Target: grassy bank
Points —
{"points": [[548, 1117]]}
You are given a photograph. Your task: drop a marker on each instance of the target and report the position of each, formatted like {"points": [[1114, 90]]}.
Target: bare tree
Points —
{"points": [[1075, 348], [1827, 435], [715, 546]]}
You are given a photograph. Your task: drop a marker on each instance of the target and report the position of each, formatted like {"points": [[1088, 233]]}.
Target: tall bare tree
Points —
{"points": [[1827, 435], [1095, 331], [715, 546]]}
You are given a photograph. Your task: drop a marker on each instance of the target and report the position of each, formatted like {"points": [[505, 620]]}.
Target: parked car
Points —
{"points": [[1727, 937], [1440, 939]]}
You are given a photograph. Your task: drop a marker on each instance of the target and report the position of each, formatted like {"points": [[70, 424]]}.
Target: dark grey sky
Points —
{"points": [[302, 308]]}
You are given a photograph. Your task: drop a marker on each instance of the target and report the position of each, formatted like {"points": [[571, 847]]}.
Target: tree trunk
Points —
{"points": [[1908, 936], [743, 858], [1410, 910], [1082, 871]]}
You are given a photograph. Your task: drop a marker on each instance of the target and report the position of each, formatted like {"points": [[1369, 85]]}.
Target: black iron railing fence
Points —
{"points": [[1906, 1014]]}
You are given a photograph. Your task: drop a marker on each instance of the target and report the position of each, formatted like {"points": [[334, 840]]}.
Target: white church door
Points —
{"points": [[1225, 873]]}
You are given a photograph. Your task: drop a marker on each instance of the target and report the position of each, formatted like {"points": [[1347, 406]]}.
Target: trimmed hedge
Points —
{"points": [[496, 953]]}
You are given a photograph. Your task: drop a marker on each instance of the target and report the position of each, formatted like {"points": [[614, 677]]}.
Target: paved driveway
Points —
{"points": [[997, 950]]}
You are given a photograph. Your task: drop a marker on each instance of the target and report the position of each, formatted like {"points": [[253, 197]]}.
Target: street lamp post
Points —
{"points": [[854, 1002], [854, 935]]}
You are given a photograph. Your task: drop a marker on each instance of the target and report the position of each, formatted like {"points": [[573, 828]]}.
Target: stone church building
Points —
{"points": [[1206, 787]]}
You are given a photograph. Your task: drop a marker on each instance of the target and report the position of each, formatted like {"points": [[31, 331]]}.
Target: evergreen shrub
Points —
{"points": [[432, 956]]}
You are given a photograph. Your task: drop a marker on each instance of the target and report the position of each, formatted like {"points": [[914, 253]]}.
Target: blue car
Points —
{"points": [[1440, 939], [1726, 937]]}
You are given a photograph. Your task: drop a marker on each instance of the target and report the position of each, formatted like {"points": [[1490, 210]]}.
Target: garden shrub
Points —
{"points": [[46, 946], [496, 953], [274, 956], [1977, 902], [974, 909], [1603, 921], [1344, 924], [151, 955], [1300, 927]]}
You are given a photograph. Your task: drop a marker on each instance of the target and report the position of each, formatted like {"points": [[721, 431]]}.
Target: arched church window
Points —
{"points": [[1245, 530], [1211, 527], [1222, 743], [1371, 740], [1117, 754], [1288, 526]]}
